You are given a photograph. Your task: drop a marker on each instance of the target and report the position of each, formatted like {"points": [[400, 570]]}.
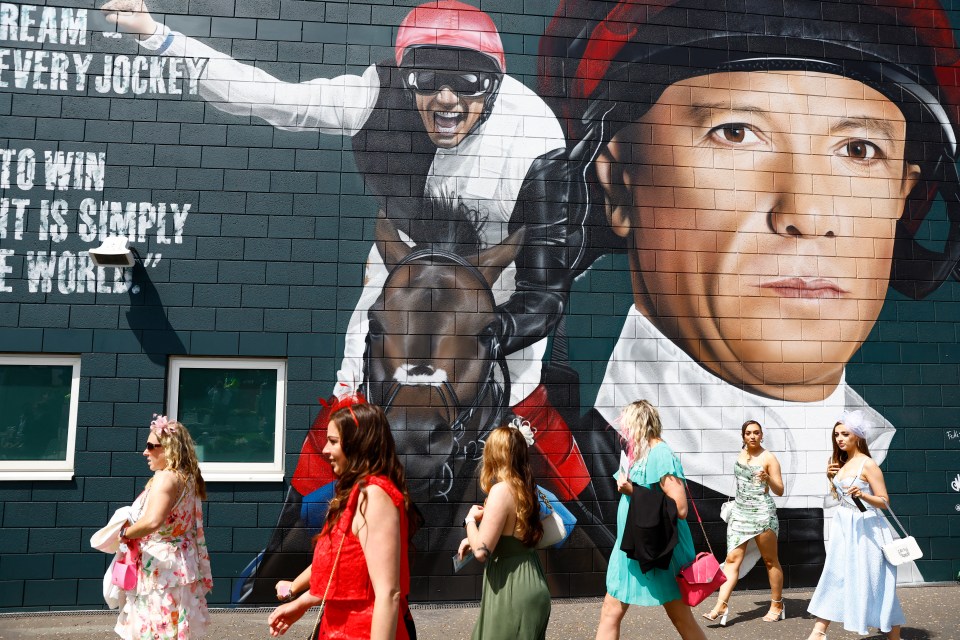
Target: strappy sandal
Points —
{"points": [[776, 616], [713, 614]]}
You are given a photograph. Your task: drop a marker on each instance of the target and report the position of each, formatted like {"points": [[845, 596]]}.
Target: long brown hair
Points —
{"points": [[840, 456], [506, 459], [181, 455], [368, 446]]}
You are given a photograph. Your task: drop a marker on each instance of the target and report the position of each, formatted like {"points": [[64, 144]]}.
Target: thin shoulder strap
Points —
{"points": [[860, 473], [690, 495]]}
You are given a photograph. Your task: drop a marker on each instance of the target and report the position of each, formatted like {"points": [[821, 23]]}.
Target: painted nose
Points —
{"points": [[447, 97], [799, 206]]}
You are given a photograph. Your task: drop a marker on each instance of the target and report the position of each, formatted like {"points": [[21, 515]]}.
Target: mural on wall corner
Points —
{"points": [[778, 187]]}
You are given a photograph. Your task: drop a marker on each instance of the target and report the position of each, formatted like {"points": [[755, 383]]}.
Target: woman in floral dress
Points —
{"points": [[173, 576]]}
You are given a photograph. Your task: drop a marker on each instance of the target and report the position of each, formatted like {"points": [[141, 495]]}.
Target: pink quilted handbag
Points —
{"points": [[125, 571]]}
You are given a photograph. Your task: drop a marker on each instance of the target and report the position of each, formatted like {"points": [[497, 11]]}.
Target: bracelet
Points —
{"points": [[468, 520], [123, 533]]}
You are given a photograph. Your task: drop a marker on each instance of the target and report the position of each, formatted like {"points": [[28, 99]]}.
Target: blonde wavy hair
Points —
{"points": [[506, 459], [181, 454], [639, 423]]}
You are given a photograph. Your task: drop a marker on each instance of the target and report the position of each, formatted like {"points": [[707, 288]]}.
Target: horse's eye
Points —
{"points": [[488, 334], [376, 330]]}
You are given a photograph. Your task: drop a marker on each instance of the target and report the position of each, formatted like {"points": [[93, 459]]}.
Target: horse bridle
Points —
{"points": [[448, 394]]}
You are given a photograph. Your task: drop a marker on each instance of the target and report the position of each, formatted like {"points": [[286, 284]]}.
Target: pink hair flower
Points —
{"points": [[161, 425]]}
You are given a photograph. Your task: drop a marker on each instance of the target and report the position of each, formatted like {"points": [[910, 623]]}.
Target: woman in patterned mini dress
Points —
{"points": [[753, 516]]}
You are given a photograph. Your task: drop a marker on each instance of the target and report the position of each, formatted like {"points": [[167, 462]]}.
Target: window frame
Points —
{"points": [[47, 469], [236, 471]]}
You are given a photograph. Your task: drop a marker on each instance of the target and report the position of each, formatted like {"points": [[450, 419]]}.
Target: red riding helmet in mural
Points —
{"points": [[752, 294]]}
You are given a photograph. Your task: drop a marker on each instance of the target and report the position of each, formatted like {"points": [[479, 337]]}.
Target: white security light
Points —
{"points": [[112, 253]]}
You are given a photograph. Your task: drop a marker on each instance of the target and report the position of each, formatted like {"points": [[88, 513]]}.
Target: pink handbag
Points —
{"points": [[703, 576], [125, 571]]}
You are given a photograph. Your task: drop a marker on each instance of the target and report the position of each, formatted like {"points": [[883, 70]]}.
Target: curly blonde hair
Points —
{"points": [[639, 423], [181, 454], [506, 459]]}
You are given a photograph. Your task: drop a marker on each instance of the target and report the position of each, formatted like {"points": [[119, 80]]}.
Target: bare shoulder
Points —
{"points": [[501, 493], [375, 495], [166, 480]]}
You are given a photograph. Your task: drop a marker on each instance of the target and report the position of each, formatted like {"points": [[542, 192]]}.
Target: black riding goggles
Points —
{"points": [[469, 84]]}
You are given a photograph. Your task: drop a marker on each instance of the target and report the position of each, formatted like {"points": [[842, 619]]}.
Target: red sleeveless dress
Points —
{"points": [[348, 614]]}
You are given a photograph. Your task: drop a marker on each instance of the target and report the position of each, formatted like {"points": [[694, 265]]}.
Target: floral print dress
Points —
{"points": [[170, 600]]}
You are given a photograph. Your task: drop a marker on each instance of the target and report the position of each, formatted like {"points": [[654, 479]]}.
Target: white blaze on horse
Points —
{"points": [[433, 360]]}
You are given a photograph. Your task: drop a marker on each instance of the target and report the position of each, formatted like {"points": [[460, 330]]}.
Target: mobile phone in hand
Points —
{"points": [[459, 563], [857, 501]]}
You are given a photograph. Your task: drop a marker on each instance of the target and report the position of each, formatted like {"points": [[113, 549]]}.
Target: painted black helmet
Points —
{"points": [[604, 63]]}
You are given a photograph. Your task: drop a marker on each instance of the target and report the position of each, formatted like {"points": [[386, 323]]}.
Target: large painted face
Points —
{"points": [[761, 210], [448, 117]]}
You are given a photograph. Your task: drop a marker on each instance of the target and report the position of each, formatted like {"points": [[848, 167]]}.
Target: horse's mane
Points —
{"points": [[447, 223]]}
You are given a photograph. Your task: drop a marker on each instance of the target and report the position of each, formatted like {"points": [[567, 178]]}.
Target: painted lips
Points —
{"points": [[805, 288]]}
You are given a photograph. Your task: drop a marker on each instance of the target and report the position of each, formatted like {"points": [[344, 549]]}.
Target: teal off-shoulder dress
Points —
{"points": [[625, 581]]}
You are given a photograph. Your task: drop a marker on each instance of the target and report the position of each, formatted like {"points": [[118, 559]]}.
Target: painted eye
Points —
{"points": [[735, 133], [860, 150]]}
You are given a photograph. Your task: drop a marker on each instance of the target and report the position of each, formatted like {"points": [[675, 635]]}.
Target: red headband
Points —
{"points": [[346, 401]]}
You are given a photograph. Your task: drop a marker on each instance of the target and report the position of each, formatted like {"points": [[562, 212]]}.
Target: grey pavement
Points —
{"points": [[932, 611]]}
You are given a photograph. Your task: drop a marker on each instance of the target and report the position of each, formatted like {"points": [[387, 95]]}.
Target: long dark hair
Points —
{"points": [[369, 449], [840, 456], [506, 459]]}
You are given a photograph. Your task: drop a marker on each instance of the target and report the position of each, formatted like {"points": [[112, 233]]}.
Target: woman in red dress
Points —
{"points": [[360, 565]]}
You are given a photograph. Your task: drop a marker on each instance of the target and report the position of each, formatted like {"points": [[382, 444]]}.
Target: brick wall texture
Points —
{"points": [[269, 262]]}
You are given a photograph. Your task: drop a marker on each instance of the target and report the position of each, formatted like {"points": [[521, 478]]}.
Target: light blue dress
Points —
{"points": [[625, 581], [858, 587]]}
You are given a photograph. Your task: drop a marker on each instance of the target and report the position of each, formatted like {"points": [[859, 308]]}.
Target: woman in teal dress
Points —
{"points": [[652, 464], [753, 516], [503, 533]]}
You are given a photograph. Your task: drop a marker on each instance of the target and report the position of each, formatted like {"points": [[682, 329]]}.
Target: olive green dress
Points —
{"points": [[515, 604]]}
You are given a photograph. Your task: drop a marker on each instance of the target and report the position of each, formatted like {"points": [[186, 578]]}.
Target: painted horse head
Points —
{"points": [[433, 359]]}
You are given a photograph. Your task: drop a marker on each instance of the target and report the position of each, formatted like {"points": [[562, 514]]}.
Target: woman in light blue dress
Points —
{"points": [[652, 464], [858, 586]]}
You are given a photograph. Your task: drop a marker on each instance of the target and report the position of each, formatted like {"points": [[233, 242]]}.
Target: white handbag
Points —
{"points": [[553, 529], [901, 550], [725, 509]]}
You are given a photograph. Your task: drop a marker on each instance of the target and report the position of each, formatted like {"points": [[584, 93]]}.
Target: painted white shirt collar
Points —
{"points": [[702, 415]]}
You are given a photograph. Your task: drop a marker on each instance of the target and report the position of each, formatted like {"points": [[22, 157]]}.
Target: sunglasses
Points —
{"points": [[468, 84], [151, 446]]}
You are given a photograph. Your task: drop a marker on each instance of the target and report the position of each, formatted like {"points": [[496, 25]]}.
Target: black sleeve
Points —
{"points": [[561, 231]]}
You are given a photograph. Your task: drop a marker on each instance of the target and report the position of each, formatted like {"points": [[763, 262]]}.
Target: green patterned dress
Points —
{"points": [[753, 511]]}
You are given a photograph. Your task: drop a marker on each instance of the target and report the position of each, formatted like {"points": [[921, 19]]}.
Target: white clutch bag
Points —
{"points": [[725, 509], [905, 549]]}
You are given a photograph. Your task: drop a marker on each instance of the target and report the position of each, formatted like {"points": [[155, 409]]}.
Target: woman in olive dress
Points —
{"points": [[503, 533]]}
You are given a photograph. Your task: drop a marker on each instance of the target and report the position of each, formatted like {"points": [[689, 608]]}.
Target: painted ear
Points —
{"points": [[491, 262], [392, 249], [616, 196]]}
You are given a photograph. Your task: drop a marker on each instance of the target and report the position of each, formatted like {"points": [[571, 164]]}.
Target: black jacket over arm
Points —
{"points": [[651, 530]]}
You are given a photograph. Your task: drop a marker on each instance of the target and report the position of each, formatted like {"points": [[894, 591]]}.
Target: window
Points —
{"points": [[235, 411], [38, 420]]}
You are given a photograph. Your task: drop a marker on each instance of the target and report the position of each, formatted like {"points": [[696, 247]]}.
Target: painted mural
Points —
{"points": [[757, 207]]}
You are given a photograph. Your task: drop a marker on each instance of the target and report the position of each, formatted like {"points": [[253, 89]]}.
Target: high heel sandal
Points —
{"points": [[780, 615], [713, 614]]}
